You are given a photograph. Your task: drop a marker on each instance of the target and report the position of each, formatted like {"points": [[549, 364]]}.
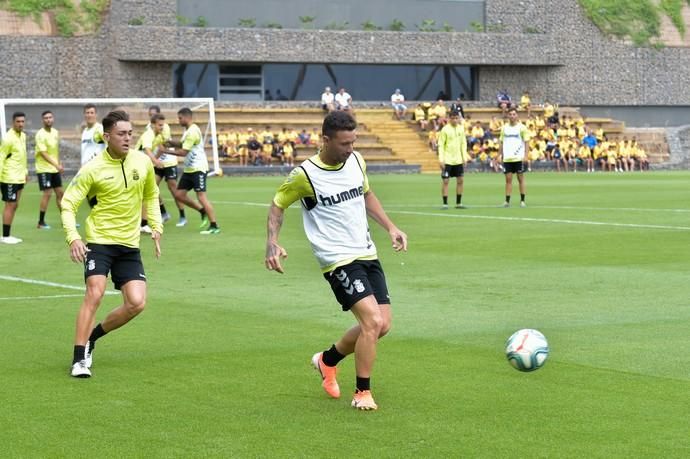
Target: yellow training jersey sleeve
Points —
{"points": [[295, 187], [13, 168], [76, 192]]}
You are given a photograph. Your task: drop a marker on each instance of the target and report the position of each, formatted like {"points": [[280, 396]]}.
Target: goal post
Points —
{"points": [[68, 115]]}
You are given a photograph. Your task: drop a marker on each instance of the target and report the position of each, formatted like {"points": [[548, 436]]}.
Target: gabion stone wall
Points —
{"points": [[548, 48]]}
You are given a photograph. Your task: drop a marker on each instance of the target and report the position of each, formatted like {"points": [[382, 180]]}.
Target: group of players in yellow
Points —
{"points": [[263, 147], [155, 141]]}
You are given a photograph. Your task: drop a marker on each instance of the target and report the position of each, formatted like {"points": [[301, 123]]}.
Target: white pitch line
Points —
{"points": [[481, 206], [525, 219], [242, 203], [50, 284], [543, 220], [41, 297], [606, 209]]}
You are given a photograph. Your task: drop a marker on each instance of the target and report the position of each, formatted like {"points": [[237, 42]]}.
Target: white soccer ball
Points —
{"points": [[527, 349]]}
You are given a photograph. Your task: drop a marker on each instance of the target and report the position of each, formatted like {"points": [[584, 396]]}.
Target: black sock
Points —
{"points": [[6, 230], [181, 213], [458, 198], [522, 197], [363, 384], [144, 222], [202, 211], [213, 225], [42, 217], [163, 211], [331, 357], [79, 352], [507, 198], [445, 200], [96, 333]]}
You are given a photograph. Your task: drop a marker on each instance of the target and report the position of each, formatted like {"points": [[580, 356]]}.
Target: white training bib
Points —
{"points": [[335, 222]]}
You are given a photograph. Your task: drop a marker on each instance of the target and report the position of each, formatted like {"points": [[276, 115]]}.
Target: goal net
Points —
{"points": [[69, 121]]}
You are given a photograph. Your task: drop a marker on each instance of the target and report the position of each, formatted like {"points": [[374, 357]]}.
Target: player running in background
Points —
{"points": [[336, 199], [191, 146], [13, 173], [167, 169], [92, 142], [513, 149], [117, 184], [149, 143], [48, 167]]}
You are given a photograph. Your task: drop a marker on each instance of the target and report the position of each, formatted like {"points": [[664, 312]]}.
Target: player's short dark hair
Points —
{"points": [[337, 121], [16, 115], [155, 108], [157, 117], [185, 111], [88, 106], [512, 108], [112, 118], [45, 113]]}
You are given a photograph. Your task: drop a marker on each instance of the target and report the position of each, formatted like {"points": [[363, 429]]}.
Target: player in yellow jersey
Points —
{"points": [[13, 173], [118, 183], [336, 198], [48, 167], [452, 155], [164, 165]]}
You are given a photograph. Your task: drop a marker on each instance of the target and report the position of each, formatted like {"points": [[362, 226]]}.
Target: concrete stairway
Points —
{"points": [[405, 143]]}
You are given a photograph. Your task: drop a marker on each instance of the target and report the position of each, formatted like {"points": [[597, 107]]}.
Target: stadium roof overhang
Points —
{"points": [[193, 44]]}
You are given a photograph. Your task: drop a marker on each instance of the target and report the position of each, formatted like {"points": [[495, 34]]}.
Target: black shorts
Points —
{"points": [[168, 173], [123, 263], [514, 167], [48, 180], [10, 191], [456, 170], [359, 279], [195, 180]]}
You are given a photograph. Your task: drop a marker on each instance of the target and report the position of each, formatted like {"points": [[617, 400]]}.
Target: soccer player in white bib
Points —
{"points": [[513, 150], [334, 191], [92, 143], [191, 147]]}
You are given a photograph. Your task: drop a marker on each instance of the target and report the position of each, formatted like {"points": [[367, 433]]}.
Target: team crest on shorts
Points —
{"points": [[358, 285], [91, 265]]}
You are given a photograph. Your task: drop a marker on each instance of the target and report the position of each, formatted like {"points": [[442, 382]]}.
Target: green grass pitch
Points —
{"points": [[218, 363]]}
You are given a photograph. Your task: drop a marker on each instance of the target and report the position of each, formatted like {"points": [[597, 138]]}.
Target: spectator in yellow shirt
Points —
{"points": [[526, 103], [495, 125], [441, 112], [420, 117]]}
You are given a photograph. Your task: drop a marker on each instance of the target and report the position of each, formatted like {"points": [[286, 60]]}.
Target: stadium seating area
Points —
{"points": [[382, 139]]}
